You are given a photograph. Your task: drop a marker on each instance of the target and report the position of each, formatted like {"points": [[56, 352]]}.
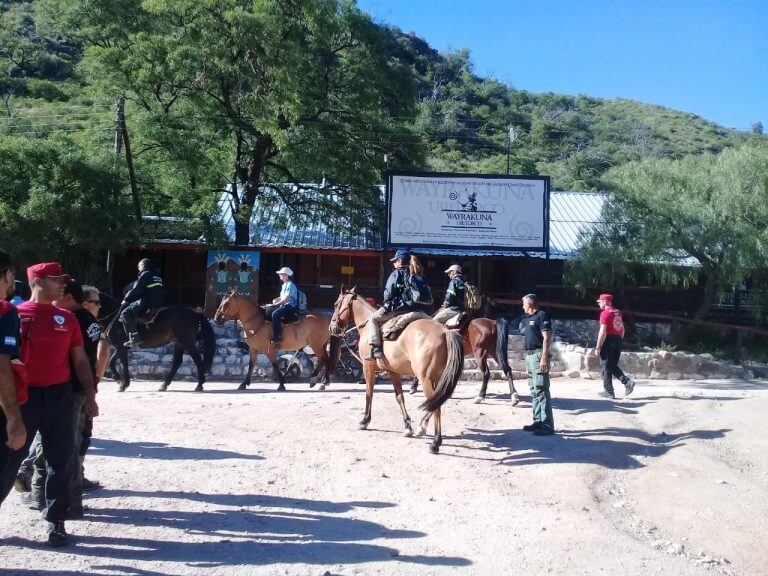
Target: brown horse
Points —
{"points": [[426, 349], [311, 330], [485, 338]]}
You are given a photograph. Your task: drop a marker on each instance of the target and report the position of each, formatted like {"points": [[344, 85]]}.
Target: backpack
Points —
{"points": [[301, 302], [417, 292], [473, 300]]}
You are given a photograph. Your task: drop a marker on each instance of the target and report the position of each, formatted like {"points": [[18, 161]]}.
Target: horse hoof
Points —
{"points": [[322, 386], [421, 431], [122, 388], [515, 400], [434, 448], [281, 388], [313, 383], [479, 400], [199, 388], [162, 388], [408, 432], [363, 426], [241, 387]]}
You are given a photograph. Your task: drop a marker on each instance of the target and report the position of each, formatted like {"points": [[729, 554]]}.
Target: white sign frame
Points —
{"points": [[468, 211]]}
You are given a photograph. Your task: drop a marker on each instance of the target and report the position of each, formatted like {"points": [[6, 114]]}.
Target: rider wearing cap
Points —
{"points": [[394, 304], [453, 305], [145, 295], [287, 304]]}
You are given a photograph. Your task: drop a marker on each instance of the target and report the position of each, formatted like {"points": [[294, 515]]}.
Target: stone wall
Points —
{"points": [[584, 332]]}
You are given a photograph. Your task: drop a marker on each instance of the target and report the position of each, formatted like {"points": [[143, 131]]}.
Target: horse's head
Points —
{"points": [[228, 309], [342, 312]]}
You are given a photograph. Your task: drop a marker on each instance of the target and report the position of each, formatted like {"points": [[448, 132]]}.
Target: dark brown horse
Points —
{"points": [[311, 330], [485, 338], [425, 348]]}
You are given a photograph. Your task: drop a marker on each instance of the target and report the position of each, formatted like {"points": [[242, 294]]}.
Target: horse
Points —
{"points": [[177, 324], [425, 348], [485, 338], [311, 330]]}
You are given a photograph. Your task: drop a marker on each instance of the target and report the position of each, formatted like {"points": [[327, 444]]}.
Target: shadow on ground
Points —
{"points": [[162, 451]]}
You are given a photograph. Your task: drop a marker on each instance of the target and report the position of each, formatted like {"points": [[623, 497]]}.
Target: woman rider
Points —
{"points": [[287, 304]]}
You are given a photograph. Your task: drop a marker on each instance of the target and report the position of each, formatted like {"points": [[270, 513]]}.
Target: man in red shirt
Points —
{"points": [[13, 434], [52, 338], [608, 347]]}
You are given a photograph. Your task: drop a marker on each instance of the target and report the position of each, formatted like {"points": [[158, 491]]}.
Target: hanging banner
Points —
{"points": [[476, 211]]}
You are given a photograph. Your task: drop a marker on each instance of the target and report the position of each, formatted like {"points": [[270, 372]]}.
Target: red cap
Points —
{"points": [[50, 269], [605, 298]]}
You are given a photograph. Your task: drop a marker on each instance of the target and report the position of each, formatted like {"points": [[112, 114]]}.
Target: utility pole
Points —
{"points": [[511, 137], [121, 137]]}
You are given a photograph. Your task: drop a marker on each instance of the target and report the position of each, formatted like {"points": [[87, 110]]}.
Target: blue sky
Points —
{"points": [[702, 56]]}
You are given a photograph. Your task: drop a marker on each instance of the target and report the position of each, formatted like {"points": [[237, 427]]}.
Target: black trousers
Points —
{"points": [[609, 362], [130, 314], [49, 410]]}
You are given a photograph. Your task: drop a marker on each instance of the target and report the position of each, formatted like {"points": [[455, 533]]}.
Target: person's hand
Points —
{"points": [[597, 351], [91, 408], [544, 365], [16, 432]]}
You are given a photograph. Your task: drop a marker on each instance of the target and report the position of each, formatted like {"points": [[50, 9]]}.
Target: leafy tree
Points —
{"points": [[242, 95], [701, 218]]}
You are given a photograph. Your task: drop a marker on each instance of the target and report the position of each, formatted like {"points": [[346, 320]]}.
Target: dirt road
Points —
{"points": [[673, 480]]}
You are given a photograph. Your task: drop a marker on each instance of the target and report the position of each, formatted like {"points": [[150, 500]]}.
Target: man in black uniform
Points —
{"points": [[453, 305], [145, 295], [538, 340]]}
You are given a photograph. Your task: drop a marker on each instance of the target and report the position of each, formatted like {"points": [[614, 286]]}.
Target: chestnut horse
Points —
{"points": [[425, 348], [311, 330], [485, 338]]}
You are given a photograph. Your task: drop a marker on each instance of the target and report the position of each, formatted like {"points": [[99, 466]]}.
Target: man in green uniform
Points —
{"points": [[538, 341]]}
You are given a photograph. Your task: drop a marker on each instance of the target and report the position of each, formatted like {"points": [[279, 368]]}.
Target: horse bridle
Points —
{"points": [[338, 315]]}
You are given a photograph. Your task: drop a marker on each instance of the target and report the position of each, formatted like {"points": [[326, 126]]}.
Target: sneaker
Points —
{"points": [[532, 427], [33, 501], [22, 483], [629, 387], [604, 394], [544, 431], [89, 485], [57, 534]]}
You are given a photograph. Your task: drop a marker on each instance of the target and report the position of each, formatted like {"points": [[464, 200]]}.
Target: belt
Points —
{"points": [[532, 350]]}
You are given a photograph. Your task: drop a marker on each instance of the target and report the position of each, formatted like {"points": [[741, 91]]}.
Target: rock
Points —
{"points": [[573, 374], [674, 376], [586, 375], [665, 355], [656, 376], [675, 548]]}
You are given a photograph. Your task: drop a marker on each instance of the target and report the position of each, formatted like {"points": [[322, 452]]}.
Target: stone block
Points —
{"points": [[591, 362], [586, 375], [229, 360], [665, 354], [218, 370], [573, 374], [674, 376], [655, 375]]}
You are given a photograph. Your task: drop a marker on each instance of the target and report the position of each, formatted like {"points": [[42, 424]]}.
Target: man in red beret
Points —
{"points": [[608, 347], [51, 338]]}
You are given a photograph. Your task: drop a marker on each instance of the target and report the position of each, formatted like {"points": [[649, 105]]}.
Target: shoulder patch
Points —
{"points": [[10, 341], [59, 319]]}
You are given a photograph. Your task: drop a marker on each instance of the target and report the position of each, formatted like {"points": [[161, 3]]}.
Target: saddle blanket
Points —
{"points": [[391, 329]]}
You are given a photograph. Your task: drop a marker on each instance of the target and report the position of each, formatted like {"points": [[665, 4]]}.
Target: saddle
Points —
{"points": [[392, 328], [289, 321], [459, 323]]}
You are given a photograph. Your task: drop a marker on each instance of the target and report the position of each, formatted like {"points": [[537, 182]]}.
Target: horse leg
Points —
{"points": [[414, 386], [276, 374], [435, 446], [321, 360], [370, 379], [398, 385], [253, 357], [197, 359], [178, 355], [481, 357], [513, 397], [125, 376], [116, 376], [429, 389]]}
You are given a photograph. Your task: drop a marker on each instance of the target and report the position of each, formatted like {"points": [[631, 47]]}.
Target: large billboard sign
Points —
{"points": [[481, 211]]}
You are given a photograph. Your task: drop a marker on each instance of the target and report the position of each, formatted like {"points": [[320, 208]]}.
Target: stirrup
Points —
{"points": [[374, 353]]}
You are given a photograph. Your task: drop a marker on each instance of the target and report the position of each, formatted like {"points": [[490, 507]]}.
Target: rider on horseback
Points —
{"points": [[394, 302], [285, 305], [146, 294], [453, 305]]}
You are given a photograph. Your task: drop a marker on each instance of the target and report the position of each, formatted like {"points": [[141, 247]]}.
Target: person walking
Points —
{"points": [[286, 305], [608, 348], [146, 294], [52, 340], [453, 305], [538, 341], [13, 392]]}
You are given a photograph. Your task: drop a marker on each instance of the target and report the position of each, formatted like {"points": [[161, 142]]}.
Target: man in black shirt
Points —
{"points": [[538, 340], [145, 295]]}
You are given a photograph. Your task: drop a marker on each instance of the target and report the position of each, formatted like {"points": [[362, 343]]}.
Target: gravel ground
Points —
{"points": [[672, 480]]}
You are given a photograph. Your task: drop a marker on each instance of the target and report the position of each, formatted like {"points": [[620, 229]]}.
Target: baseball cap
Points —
{"points": [[401, 254], [75, 288], [285, 270], [454, 268], [50, 269], [605, 298]]}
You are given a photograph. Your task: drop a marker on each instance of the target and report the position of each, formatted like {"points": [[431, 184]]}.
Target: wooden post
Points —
{"points": [[123, 131]]}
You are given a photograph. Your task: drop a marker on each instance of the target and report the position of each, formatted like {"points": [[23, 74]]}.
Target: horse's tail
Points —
{"points": [[502, 341], [334, 353], [209, 343], [451, 373]]}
